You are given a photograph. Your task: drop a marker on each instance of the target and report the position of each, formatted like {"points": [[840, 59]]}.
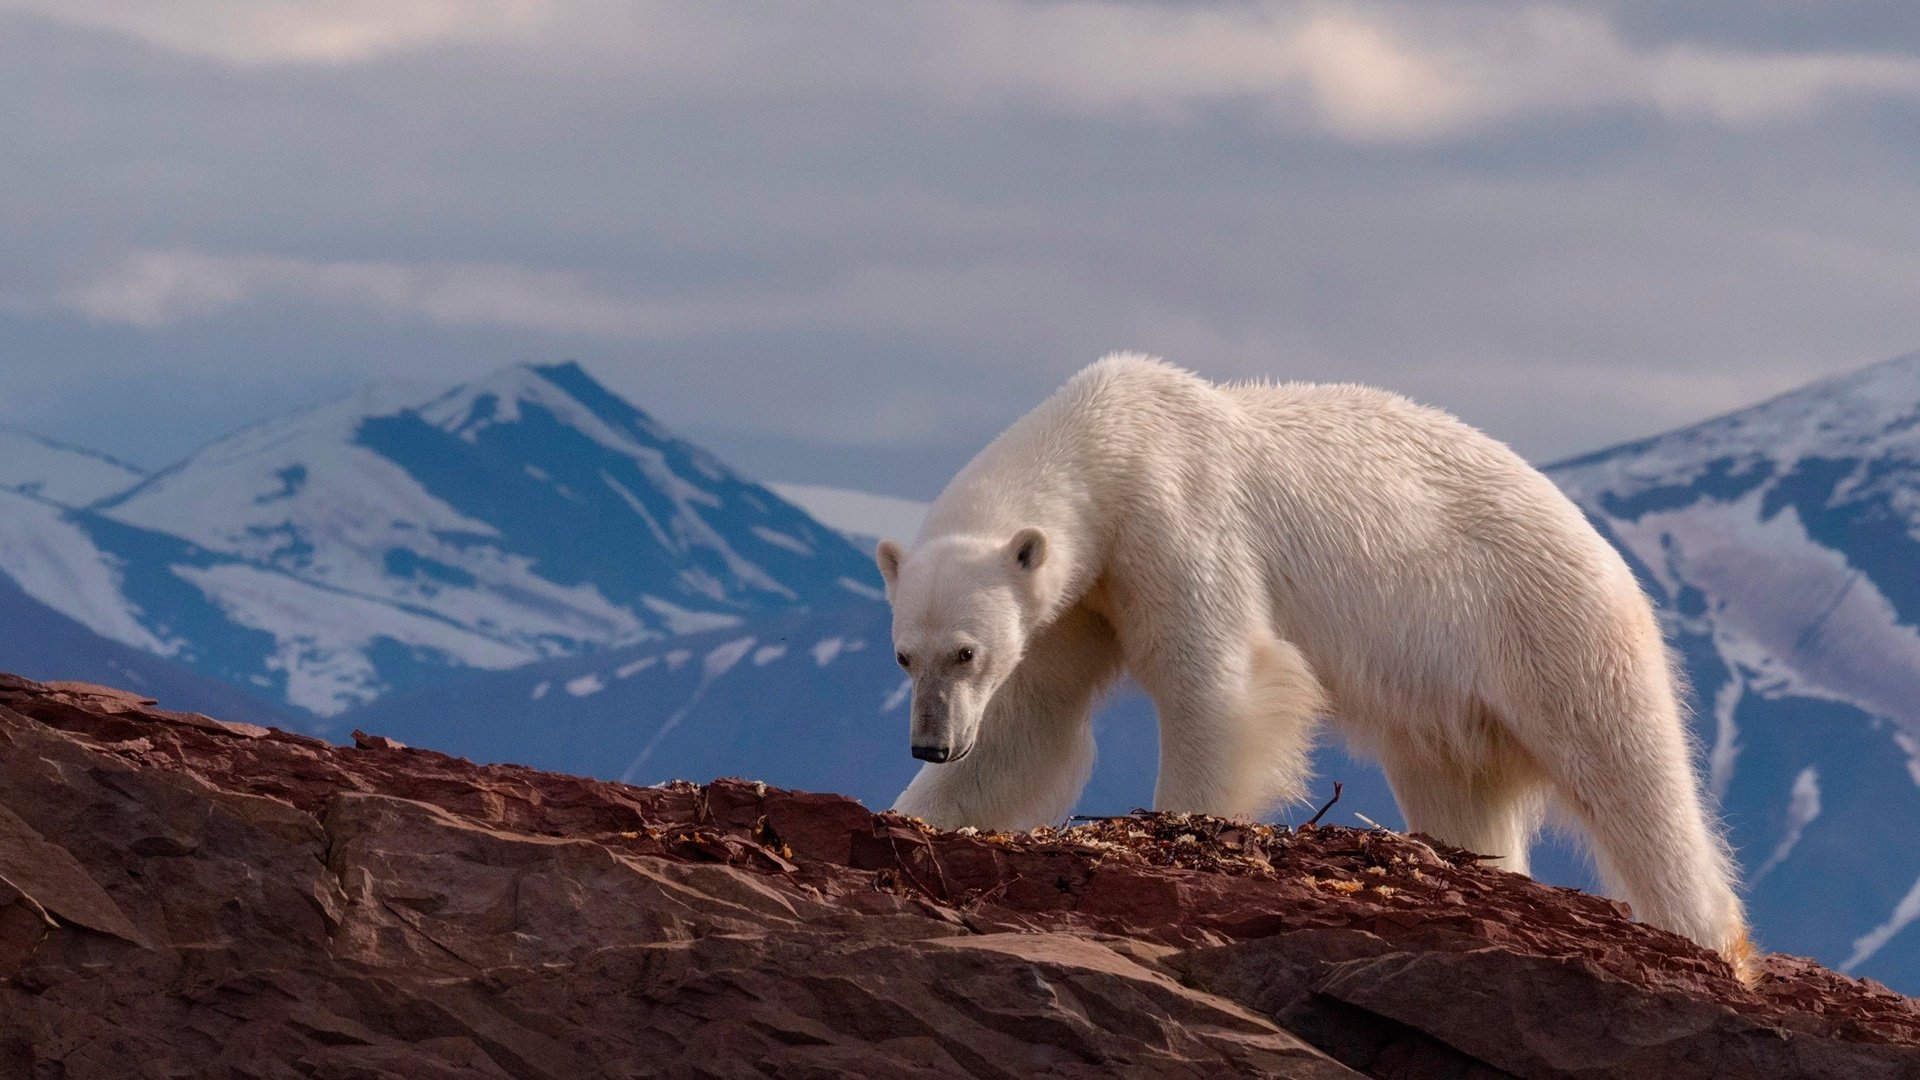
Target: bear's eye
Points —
{"points": [[964, 656], [902, 657]]}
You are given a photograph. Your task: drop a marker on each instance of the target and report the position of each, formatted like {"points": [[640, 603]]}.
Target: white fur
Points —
{"points": [[1257, 556]]}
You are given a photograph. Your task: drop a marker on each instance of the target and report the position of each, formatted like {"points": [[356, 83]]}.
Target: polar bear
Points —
{"points": [[1261, 556]]}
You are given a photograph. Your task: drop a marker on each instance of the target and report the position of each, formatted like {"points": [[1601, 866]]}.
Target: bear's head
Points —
{"points": [[963, 609]]}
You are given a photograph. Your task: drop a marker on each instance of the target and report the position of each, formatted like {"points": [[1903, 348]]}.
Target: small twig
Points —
{"points": [[946, 891], [1315, 819], [908, 871], [981, 897]]}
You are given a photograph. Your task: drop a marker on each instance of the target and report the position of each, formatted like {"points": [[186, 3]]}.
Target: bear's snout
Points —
{"points": [[940, 754], [940, 731]]}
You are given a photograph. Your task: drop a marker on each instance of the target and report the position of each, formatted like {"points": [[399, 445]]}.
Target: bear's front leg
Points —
{"points": [[1014, 779], [1035, 748]]}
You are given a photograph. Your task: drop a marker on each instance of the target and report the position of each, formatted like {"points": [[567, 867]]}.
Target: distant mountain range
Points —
{"points": [[329, 557], [528, 568]]}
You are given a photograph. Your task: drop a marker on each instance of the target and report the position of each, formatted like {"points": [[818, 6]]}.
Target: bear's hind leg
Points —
{"points": [[1621, 764]]}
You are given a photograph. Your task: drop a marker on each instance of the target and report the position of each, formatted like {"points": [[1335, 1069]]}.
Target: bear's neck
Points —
{"points": [[1043, 472]]}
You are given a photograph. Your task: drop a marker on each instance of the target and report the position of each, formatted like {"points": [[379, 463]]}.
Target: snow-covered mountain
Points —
{"points": [[391, 538], [59, 473], [296, 642]]}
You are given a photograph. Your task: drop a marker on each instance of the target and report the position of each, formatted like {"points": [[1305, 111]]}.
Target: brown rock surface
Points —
{"points": [[184, 898]]}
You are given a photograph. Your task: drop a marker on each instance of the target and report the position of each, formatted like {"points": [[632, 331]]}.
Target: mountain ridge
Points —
{"points": [[396, 534]]}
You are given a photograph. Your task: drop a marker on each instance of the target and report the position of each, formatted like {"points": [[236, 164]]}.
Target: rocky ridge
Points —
{"points": [[185, 897]]}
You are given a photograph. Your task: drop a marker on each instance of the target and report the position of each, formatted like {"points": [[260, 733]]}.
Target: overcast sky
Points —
{"points": [[847, 242]]}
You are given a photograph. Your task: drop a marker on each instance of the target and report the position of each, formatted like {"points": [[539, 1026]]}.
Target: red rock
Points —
{"points": [[183, 897]]}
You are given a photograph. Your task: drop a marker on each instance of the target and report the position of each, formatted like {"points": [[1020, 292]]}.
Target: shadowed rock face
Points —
{"points": [[183, 897]]}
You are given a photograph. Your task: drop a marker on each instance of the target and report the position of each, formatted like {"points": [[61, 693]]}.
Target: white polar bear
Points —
{"points": [[1259, 556]]}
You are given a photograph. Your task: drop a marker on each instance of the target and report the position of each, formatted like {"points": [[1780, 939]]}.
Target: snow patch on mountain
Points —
{"points": [[780, 539], [721, 660], [681, 620], [827, 650], [326, 640], [1803, 806], [898, 696], [1904, 913], [859, 514], [57, 563], [1724, 752], [58, 473], [628, 671], [1911, 746]]}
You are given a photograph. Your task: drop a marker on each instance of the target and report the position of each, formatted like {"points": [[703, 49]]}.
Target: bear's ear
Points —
{"points": [[1027, 550], [888, 556]]}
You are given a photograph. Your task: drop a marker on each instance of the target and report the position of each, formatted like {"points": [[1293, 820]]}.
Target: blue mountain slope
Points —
{"points": [[40, 643]]}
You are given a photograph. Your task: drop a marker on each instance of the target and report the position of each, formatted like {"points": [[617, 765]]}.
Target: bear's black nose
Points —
{"points": [[935, 754]]}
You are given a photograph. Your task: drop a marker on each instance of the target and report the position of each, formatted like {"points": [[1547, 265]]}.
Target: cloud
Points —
{"points": [[254, 32], [1362, 71], [1402, 72], [151, 289], [899, 224]]}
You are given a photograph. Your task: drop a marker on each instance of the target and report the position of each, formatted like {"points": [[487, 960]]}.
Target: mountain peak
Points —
{"points": [[1872, 412], [565, 391], [532, 512]]}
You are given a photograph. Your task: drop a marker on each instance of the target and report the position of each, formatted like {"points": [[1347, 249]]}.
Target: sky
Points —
{"points": [[847, 242]]}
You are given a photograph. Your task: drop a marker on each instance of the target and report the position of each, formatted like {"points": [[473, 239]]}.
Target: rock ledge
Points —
{"points": [[182, 897]]}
